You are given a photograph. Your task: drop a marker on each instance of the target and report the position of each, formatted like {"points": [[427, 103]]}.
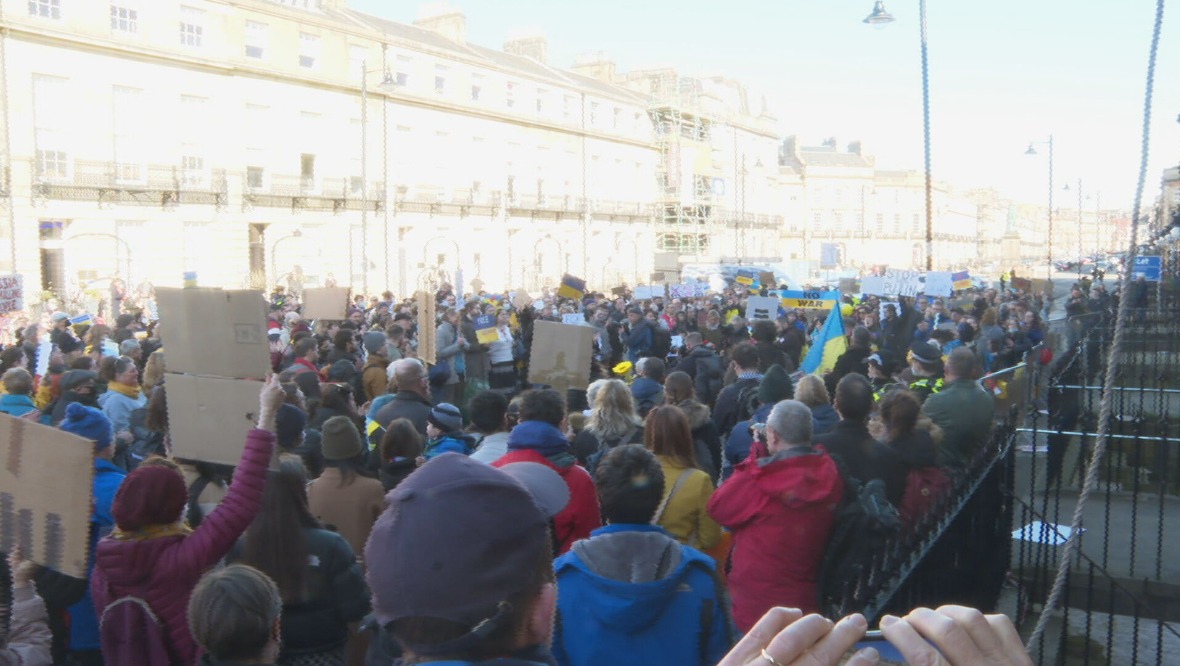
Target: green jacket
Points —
{"points": [[963, 410]]}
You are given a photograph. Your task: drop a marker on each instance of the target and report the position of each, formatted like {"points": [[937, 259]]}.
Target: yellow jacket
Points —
{"points": [[685, 513]]}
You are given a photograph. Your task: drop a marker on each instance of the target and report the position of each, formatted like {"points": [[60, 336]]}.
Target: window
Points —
{"points": [[124, 19], [255, 176], [256, 37], [510, 94], [917, 222], [309, 50], [593, 113], [440, 79], [51, 108], [50, 9], [880, 223], [616, 113], [541, 94], [402, 77], [476, 86], [192, 167], [192, 26], [838, 220], [897, 223], [307, 171]]}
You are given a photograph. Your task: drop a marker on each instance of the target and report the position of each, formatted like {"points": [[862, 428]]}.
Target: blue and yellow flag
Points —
{"points": [[485, 329], [828, 345], [961, 280], [572, 287], [749, 280]]}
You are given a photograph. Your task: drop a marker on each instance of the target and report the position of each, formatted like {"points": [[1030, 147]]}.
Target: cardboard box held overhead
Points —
{"points": [[214, 332], [209, 417], [329, 303], [560, 355], [45, 480]]}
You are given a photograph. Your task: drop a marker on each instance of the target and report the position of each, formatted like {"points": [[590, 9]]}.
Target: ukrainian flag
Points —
{"points": [[961, 280], [572, 288], [828, 345]]}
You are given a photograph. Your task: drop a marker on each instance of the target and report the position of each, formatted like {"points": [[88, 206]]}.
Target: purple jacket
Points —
{"points": [[165, 570]]}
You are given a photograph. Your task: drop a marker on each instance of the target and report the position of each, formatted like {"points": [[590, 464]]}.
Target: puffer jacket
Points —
{"points": [[165, 570]]}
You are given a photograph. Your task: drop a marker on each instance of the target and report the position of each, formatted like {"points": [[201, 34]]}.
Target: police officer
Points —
{"points": [[926, 366], [881, 366]]}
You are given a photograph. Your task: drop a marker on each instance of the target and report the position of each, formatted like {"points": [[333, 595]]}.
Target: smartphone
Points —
{"points": [[876, 640]]}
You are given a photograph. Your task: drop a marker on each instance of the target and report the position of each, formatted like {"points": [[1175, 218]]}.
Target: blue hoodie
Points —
{"points": [[19, 405], [632, 594], [83, 618]]}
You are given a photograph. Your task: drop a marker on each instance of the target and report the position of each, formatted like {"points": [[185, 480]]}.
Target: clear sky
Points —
{"points": [[1002, 73]]}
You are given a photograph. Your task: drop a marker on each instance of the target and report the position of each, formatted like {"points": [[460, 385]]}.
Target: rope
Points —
{"points": [[1108, 389], [926, 143]]}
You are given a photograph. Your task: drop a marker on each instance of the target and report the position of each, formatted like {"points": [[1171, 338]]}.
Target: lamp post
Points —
{"points": [[879, 17], [387, 84], [274, 264], [1032, 150], [1080, 249]]}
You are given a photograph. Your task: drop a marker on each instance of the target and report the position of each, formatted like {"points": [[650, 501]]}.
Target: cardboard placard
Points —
{"points": [[426, 327], [329, 303], [685, 290], [215, 332], [619, 291], [647, 292], [573, 318], [44, 351], [12, 292], [45, 486], [761, 307], [560, 355], [817, 300], [485, 329], [209, 417], [872, 285], [902, 282], [939, 283], [521, 299], [849, 285]]}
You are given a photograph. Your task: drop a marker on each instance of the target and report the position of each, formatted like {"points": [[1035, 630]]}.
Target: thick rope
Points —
{"points": [[1108, 392]]}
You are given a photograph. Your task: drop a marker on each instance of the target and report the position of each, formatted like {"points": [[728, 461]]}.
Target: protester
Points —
{"points": [[18, 396], [613, 421], [538, 438], [154, 556], [122, 397], [771, 389], [336, 399], [488, 410], [648, 386], [764, 334], [963, 410], [630, 594], [640, 336], [412, 400], [234, 615], [687, 488], [399, 453], [373, 377], [28, 637], [812, 392], [860, 455], [703, 366], [780, 505], [736, 401], [316, 571], [450, 346], [678, 391], [444, 432], [345, 498], [75, 386], [926, 368]]}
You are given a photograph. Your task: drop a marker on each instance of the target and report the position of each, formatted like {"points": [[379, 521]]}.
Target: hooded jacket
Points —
{"points": [[705, 438], [83, 619], [539, 442], [633, 595], [165, 570], [780, 510], [18, 405]]}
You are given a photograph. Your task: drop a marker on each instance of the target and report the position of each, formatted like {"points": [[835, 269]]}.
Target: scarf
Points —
{"points": [[152, 532], [124, 390]]}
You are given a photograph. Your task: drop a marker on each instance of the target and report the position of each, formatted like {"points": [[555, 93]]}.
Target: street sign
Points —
{"points": [[1148, 267]]}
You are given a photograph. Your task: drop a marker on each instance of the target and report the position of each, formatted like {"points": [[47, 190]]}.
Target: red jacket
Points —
{"points": [[169, 567], [780, 510], [582, 515]]}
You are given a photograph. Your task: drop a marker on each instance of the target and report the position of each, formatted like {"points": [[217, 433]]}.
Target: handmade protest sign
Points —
{"points": [[329, 303], [573, 318], [686, 290], [209, 417], [809, 299], [426, 327], [12, 292], [939, 283], [215, 332], [45, 484], [761, 307], [902, 282], [961, 280], [485, 329], [560, 355]]}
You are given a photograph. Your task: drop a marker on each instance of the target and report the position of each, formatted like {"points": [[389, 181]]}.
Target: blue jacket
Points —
{"points": [[631, 594], [19, 405], [457, 443], [647, 392], [83, 619], [737, 445], [823, 419]]}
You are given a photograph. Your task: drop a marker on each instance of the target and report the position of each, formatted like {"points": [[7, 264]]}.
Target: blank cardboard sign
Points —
{"points": [[427, 327], [329, 303], [45, 479], [560, 355], [215, 332], [209, 417]]}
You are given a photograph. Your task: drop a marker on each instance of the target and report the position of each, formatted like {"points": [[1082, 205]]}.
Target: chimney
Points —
{"points": [[445, 21], [596, 66], [855, 148], [535, 47], [791, 149], [831, 142]]}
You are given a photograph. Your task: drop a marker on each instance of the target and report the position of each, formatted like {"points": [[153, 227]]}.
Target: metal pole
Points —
{"points": [[926, 142], [364, 179], [1049, 251], [1079, 229]]}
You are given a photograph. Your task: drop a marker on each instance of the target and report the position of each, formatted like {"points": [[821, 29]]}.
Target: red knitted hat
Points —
{"points": [[149, 496]]}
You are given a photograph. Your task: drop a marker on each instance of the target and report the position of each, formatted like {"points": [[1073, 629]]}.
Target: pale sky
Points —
{"points": [[1002, 73]]}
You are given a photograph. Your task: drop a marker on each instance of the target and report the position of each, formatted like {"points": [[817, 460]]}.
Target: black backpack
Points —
{"points": [[661, 342], [866, 526], [709, 378], [747, 401]]}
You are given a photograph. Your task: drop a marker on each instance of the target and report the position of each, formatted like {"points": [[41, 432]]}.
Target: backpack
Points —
{"points": [[925, 489], [707, 383], [747, 401], [865, 526], [132, 634], [605, 447], [661, 342], [146, 443]]}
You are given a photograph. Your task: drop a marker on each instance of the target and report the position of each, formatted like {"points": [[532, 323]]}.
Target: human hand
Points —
{"points": [[270, 398], [22, 569], [783, 637], [960, 635], [125, 436]]}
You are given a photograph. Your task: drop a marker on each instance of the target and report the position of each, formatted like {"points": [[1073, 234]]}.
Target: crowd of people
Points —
{"points": [[678, 510]]}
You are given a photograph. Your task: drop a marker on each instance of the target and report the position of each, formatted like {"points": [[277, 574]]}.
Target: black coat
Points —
{"points": [[405, 405], [864, 458]]}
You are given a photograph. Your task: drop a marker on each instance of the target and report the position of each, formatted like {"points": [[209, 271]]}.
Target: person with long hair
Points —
{"points": [[613, 421], [401, 446], [316, 571], [153, 371], [234, 616], [687, 488], [335, 400], [812, 392], [679, 392]]}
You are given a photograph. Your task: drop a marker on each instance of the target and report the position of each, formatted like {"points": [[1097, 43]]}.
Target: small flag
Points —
{"points": [[961, 280], [572, 287], [828, 345], [82, 320], [190, 279], [485, 329], [748, 279]]}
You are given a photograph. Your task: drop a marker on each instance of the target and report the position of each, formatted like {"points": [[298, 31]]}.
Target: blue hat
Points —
{"points": [[289, 424], [89, 423]]}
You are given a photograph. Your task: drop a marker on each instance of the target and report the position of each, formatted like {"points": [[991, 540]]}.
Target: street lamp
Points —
{"points": [[274, 264], [1032, 150], [880, 17], [388, 84], [1080, 250]]}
